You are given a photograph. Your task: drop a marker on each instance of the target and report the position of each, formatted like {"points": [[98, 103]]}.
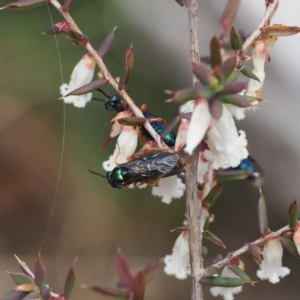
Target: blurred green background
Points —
{"points": [[90, 219]]}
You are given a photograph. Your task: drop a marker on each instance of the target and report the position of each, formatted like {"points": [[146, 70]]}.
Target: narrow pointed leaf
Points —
{"points": [[14, 295], [289, 245], [253, 99], [139, 286], [262, 214], [127, 69], [204, 250], [132, 121], [87, 88], [24, 268], [213, 238], [211, 271], [229, 14], [293, 214], [213, 195], [239, 272], [256, 253], [232, 175], [150, 270], [215, 52], [76, 37], [58, 28], [24, 4], [218, 258], [280, 30], [67, 4], [228, 66], [117, 293], [105, 46], [223, 281], [206, 224], [124, 272], [35, 295], [182, 2], [70, 280], [201, 72], [26, 287], [236, 100], [180, 229], [20, 278], [234, 87], [183, 95], [235, 39], [248, 73], [215, 108], [233, 76], [39, 273]]}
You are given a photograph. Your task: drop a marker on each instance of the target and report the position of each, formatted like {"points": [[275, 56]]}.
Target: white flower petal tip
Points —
{"points": [[199, 124], [271, 267], [169, 188], [181, 136], [226, 292], [82, 74], [178, 263]]}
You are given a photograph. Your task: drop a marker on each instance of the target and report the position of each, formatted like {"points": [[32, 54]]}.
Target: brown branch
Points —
{"points": [[192, 202], [107, 74], [245, 248]]}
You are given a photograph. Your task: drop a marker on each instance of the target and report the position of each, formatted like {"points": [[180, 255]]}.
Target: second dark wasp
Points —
{"points": [[117, 104], [146, 169]]}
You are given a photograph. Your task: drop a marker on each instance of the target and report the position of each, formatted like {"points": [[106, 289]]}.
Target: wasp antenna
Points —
{"points": [[98, 99], [101, 91], [96, 173]]}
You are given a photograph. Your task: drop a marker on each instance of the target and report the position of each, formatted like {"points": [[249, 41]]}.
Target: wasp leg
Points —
{"points": [[126, 187], [154, 182], [144, 107], [138, 183]]}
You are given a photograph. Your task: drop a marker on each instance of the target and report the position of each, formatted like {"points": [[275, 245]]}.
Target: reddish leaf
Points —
{"points": [[139, 283], [215, 108], [70, 280], [105, 46], [213, 238], [150, 270], [24, 4], [124, 272], [201, 72], [127, 69], [58, 28], [107, 291], [262, 214], [280, 30], [228, 66], [76, 37], [35, 295], [24, 268], [256, 253], [14, 295], [229, 14], [236, 100], [293, 214], [215, 52], [67, 4], [289, 246], [87, 88], [39, 273], [182, 2], [234, 87]]}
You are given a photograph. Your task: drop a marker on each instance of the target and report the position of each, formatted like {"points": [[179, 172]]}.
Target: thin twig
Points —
{"points": [[266, 18], [192, 202], [245, 248], [136, 110]]}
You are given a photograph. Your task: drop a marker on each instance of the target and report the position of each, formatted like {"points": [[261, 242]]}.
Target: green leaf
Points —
{"points": [[239, 272], [223, 281], [213, 238], [116, 293], [76, 37], [215, 52], [215, 107], [213, 195], [262, 214], [228, 67], [235, 40], [248, 73], [236, 100], [39, 273], [293, 214], [46, 293], [132, 121], [232, 175], [20, 278], [24, 4], [24, 268], [70, 280], [289, 245], [127, 69]]}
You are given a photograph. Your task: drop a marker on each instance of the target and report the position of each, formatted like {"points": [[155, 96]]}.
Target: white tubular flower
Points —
{"points": [[178, 263], [82, 74], [169, 188], [200, 121], [227, 145], [226, 292], [125, 146], [296, 236], [258, 58], [271, 266]]}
